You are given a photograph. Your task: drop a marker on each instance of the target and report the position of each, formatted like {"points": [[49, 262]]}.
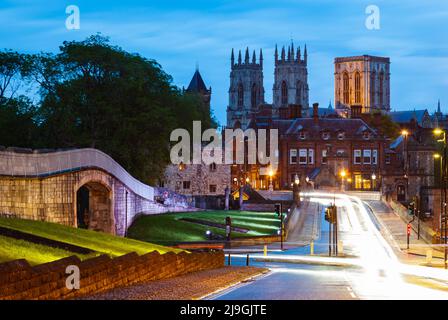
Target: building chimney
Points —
{"points": [[316, 112]]}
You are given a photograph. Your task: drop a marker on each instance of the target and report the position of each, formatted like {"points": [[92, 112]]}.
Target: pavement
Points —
{"points": [[394, 230], [191, 286]]}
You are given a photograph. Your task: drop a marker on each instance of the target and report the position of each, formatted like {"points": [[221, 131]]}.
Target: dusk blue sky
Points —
{"points": [[179, 34]]}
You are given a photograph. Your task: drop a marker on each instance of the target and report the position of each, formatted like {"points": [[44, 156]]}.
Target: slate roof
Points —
{"points": [[407, 116], [197, 83], [351, 127]]}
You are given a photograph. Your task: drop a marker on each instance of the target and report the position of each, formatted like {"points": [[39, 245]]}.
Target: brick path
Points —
{"points": [[187, 287]]}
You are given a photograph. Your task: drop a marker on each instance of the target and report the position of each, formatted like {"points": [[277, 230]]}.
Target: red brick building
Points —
{"points": [[320, 149]]}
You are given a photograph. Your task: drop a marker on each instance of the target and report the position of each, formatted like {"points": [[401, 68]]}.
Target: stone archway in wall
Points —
{"points": [[94, 207]]}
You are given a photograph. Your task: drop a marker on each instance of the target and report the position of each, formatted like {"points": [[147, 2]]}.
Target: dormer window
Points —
{"points": [[326, 135], [366, 135], [341, 135], [302, 135]]}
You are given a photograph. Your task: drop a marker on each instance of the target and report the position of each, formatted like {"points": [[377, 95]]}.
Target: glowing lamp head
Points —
{"points": [[373, 176], [307, 179], [247, 180], [438, 131], [343, 173], [437, 156], [296, 179], [404, 133]]}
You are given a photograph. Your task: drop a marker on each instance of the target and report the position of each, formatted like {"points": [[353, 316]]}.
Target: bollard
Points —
{"points": [[340, 247], [228, 260], [247, 260], [265, 250], [312, 248], [429, 256]]}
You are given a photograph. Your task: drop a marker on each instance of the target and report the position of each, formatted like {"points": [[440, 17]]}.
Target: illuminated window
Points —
{"points": [[357, 88], [358, 181], [346, 88]]}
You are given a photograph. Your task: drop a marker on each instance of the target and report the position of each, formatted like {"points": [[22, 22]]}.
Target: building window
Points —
{"points": [[302, 135], [366, 135], [340, 152], [341, 135], [253, 99], [374, 156], [372, 88], [387, 159], [324, 156], [284, 93], [325, 135], [299, 93], [367, 156], [212, 188], [186, 185], [293, 156], [213, 167], [358, 181], [381, 92], [357, 87], [357, 157], [346, 88], [311, 156], [303, 154], [240, 95]]}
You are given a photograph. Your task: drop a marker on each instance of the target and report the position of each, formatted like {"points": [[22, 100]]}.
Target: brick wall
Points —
{"points": [[20, 281]]}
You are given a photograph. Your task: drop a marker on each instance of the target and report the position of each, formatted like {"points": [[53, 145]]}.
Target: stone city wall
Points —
{"points": [[20, 281]]}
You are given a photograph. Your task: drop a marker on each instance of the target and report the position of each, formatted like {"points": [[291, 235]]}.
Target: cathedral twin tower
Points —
{"points": [[246, 92]]}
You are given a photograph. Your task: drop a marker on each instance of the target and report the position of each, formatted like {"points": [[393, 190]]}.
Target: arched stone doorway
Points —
{"points": [[94, 207]]}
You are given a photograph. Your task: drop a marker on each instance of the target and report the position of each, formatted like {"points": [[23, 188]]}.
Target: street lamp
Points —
{"points": [[295, 190], [343, 174], [441, 134], [271, 174]]}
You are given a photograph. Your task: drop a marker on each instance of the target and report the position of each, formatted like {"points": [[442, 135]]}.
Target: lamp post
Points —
{"points": [[443, 192], [271, 174], [296, 190], [373, 181], [343, 174], [405, 134]]}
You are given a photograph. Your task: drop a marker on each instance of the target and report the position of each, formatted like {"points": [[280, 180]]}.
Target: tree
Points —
{"points": [[100, 96], [384, 124]]}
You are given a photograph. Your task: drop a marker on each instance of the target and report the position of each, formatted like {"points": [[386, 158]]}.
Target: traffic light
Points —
{"points": [[411, 208], [328, 214], [278, 208], [409, 229]]}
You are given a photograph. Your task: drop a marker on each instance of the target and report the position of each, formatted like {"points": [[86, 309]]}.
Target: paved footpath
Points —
{"points": [[394, 231], [190, 286]]}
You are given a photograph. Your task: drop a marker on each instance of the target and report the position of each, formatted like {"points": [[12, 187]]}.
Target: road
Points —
{"points": [[370, 269]]}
